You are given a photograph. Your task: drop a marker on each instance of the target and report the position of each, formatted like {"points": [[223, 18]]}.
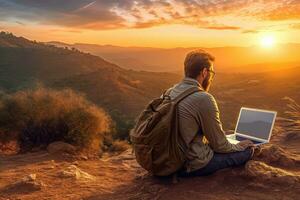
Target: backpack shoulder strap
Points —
{"points": [[166, 93], [187, 93]]}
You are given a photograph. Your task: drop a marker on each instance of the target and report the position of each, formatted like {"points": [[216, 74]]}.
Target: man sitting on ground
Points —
{"points": [[199, 122]]}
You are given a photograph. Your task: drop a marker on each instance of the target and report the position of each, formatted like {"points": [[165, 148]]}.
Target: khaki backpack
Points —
{"points": [[157, 143]]}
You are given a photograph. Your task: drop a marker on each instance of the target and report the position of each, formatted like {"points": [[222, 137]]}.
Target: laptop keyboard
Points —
{"points": [[239, 138]]}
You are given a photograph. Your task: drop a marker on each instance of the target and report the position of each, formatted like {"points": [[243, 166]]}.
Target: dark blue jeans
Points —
{"points": [[221, 161]]}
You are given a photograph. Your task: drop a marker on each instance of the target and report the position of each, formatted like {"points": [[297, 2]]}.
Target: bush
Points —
{"points": [[42, 116]]}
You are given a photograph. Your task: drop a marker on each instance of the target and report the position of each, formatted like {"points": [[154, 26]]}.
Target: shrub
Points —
{"points": [[42, 116]]}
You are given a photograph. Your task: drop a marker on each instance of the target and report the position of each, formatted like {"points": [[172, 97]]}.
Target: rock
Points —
{"points": [[292, 136], [26, 185], [270, 174], [258, 185], [124, 156], [83, 157], [30, 177], [74, 172], [49, 167], [61, 147], [276, 155], [75, 163]]}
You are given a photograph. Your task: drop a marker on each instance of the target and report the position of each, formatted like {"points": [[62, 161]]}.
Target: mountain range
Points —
{"points": [[238, 59]]}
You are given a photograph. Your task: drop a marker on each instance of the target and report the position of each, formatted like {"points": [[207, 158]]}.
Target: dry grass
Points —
{"points": [[292, 120], [38, 117], [294, 107]]}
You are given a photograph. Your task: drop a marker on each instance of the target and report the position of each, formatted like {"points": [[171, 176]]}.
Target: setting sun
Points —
{"points": [[267, 41]]}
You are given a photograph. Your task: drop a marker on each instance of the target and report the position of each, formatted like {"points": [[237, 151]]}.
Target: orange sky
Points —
{"points": [[154, 23]]}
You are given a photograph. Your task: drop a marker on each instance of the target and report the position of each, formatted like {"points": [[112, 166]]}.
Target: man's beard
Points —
{"points": [[206, 84]]}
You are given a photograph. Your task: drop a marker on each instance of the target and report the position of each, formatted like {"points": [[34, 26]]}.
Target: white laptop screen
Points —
{"points": [[255, 123]]}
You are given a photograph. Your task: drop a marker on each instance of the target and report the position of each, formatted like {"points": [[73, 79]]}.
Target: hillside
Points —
{"points": [[25, 63], [126, 91], [256, 90]]}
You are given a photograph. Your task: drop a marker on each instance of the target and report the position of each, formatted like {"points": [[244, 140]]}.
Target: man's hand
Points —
{"points": [[246, 143]]}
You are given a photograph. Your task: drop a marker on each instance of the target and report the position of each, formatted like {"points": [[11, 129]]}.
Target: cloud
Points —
{"points": [[75, 13], [87, 5], [20, 23], [250, 31], [223, 27], [285, 10], [114, 14], [295, 26]]}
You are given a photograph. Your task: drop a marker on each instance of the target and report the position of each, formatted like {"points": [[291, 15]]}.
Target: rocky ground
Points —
{"points": [[58, 174], [44, 176]]}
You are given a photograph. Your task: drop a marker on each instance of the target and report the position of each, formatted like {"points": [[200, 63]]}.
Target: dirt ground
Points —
{"points": [[274, 175]]}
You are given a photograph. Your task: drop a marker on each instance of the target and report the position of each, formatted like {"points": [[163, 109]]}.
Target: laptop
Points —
{"points": [[253, 124]]}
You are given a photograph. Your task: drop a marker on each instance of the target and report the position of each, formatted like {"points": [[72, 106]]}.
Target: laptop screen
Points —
{"points": [[255, 123]]}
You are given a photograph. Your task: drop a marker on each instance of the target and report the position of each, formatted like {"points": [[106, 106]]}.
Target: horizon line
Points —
{"points": [[150, 47], [166, 48]]}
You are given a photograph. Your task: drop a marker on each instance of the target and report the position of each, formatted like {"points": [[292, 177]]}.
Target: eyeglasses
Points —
{"points": [[213, 72]]}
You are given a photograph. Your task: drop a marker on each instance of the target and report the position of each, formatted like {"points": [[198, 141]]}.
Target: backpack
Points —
{"points": [[157, 143]]}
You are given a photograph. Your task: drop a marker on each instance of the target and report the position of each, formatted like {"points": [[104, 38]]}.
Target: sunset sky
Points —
{"points": [[154, 23]]}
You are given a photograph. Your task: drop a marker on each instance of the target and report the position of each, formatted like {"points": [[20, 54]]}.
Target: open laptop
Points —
{"points": [[253, 124]]}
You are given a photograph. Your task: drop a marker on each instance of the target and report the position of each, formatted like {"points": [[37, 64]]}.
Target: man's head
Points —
{"points": [[198, 65]]}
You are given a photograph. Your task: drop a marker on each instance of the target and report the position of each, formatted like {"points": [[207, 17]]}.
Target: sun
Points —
{"points": [[267, 41]]}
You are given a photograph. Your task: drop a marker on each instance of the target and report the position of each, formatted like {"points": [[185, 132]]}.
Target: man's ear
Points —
{"points": [[204, 72]]}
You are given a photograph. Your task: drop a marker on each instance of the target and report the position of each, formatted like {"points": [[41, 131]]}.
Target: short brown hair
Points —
{"points": [[195, 61]]}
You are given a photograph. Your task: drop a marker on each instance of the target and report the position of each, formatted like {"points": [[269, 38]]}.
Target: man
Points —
{"points": [[199, 122]]}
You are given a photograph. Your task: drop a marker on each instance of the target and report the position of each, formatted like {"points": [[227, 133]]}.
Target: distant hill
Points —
{"points": [[255, 90], [227, 58], [24, 62], [123, 93]]}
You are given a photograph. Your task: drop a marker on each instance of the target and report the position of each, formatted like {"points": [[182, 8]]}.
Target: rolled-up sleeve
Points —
{"points": [[212, 127]]}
